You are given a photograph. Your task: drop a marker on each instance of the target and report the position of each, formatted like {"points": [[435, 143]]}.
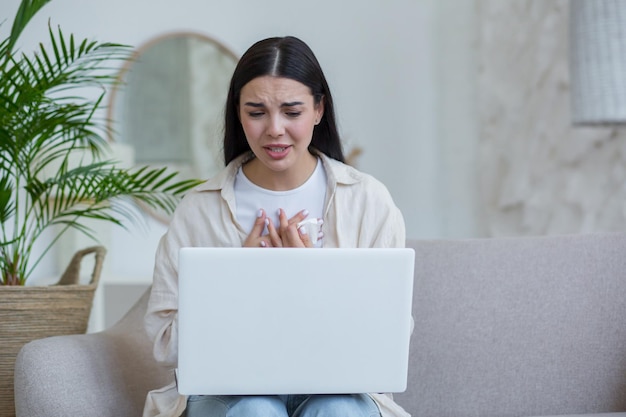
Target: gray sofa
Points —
{"points": [[503, 327]]}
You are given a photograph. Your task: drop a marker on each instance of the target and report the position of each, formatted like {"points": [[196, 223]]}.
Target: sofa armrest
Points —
{"points": [[98, 374], [80, 375]]}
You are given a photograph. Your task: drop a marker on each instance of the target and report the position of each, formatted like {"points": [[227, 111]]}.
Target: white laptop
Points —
{"points": [[256, 321]]}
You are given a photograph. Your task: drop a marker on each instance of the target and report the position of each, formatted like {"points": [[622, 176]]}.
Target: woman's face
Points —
{"points": [[278, 116]]}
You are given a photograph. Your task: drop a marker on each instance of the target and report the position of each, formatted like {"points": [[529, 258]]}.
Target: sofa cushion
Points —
{"points": [[518, 327]]}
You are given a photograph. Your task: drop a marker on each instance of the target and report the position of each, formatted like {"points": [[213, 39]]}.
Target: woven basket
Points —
{"points": [[34, 312]]}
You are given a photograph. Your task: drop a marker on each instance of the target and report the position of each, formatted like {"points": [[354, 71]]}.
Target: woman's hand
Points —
{"points": [[286, 235], [256, 238]]}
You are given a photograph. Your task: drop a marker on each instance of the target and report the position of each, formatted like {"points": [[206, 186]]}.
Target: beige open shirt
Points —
{"points": [[358, 213]]}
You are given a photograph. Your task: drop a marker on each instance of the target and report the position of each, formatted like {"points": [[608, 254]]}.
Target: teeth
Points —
{"points": [[277, 149]]}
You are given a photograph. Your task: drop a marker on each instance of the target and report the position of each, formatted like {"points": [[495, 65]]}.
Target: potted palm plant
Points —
{"points": [[55, 176]]}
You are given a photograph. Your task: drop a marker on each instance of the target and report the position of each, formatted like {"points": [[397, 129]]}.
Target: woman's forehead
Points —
{"points": [[270, 88]]}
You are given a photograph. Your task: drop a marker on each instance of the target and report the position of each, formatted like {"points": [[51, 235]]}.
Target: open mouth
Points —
{"points": [[277, 149]]}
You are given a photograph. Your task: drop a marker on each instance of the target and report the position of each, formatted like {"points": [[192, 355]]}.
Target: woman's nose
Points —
{"points": [[275, 127]]}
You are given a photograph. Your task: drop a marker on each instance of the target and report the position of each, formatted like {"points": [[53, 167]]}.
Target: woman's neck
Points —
{"points": [[289, 179]]}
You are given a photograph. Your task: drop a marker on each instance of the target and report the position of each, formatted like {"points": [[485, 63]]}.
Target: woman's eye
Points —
{"points": [[255, 114], [293, 113]]}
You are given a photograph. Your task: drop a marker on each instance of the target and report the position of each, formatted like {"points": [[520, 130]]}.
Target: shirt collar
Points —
{"points": [[226, 175]]}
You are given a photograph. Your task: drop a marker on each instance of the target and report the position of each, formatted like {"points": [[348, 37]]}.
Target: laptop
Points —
{"points": [[260, 321]]}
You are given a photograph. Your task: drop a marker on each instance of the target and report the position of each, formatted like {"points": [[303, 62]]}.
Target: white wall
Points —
{"points": [[457, 118], [379, 58]]}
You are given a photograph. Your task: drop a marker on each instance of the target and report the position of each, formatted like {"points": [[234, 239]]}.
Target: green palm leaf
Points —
{"points": [[27, 9], [52, 145]]}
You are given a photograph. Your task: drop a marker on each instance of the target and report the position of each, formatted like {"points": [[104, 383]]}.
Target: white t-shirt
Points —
{"points": [[249, 198]]}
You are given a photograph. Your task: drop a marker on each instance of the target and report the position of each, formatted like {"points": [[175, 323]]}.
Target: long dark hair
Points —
{"points": [[287, 57]]}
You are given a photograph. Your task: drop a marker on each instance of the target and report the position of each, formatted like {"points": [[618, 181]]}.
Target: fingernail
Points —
{"points": [[278, 212], [320, 221], [267, 221], [303, 230], [260, 213], [320, 235], [305, 212], [263, 244]]}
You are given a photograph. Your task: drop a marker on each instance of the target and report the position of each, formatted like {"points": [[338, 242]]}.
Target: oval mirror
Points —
{"points": [[168, 105]]}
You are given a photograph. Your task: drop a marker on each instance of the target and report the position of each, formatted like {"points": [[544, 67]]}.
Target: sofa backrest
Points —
{"points": [[518, 326]]}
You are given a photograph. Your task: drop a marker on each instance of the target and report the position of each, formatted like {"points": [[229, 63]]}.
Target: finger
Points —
{"points": [[283, 224], [288, 229], [259, 223], [301, 215], [275, 239], [282, 219], [304, 237], [254, 238], [297, 237]]}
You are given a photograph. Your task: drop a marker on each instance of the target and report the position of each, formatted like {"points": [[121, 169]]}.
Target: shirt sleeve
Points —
{"points": [[382, 222], [161, 320]]}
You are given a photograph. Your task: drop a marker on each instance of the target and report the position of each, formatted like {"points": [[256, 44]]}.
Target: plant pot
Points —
{"points": [[30, 313]]}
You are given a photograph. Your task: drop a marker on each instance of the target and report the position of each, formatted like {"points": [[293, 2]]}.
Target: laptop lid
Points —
{"points": [[256, 321]]}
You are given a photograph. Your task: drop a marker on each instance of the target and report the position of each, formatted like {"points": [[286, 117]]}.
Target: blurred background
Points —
{"points": [[461, 107]]}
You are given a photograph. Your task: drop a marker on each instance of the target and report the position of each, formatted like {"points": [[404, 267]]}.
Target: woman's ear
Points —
{"points": [[319, 109]]}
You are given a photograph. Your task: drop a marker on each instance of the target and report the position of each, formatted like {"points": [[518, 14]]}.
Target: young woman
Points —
{"points": [[284, 172]]}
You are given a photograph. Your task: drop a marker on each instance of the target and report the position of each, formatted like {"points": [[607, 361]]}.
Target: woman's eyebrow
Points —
{"points": [[287, 104], [292, 104]]}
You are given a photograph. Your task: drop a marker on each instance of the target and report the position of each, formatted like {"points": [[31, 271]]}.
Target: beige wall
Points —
{"points": [[538, 174]]}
